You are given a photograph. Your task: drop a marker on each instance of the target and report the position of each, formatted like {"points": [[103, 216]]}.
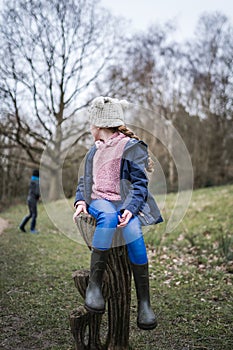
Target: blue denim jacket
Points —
{"points": [[133, 183]]}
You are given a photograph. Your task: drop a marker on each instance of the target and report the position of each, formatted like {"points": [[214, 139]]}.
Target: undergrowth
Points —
{"points": [[190, 280]]}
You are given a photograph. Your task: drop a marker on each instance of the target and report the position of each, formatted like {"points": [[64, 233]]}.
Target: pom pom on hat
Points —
{"points": [[124, 104], [108, 112], [98, 102]]}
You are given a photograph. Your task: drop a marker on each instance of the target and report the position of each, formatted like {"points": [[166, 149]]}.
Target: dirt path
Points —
{"points": [[3, 225]]}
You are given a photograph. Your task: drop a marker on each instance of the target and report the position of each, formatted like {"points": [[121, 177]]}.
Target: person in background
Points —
{"points": [[114, 190], [32, 199]]}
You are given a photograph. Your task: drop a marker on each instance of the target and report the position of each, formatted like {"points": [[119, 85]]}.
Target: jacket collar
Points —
{"points": [[132, 141]]}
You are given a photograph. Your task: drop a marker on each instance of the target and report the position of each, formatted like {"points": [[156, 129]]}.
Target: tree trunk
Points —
{"points": [[170, 145], [111, 330], [55, 185]]}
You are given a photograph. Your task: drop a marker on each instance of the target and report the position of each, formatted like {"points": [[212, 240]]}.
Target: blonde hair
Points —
{"points": [[127, 132]]}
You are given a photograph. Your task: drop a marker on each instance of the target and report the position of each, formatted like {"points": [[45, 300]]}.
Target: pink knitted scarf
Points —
{"points": [[106, 167]]}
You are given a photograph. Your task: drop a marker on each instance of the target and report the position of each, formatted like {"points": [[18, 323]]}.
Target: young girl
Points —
{"points": [[114, 190]]}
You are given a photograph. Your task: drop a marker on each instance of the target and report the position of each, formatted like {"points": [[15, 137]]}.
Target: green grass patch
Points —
{"points": [[191, 280]]}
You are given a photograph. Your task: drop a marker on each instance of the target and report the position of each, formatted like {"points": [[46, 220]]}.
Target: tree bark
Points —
{"points": [[111, 330]]}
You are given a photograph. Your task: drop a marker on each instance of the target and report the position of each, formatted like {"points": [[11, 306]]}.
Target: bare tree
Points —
{"points": [[189, 86], [51, 54], [151, 78], [209, 89]]}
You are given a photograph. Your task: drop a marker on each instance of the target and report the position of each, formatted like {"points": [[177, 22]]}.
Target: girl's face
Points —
{"points": [[95, 131]]}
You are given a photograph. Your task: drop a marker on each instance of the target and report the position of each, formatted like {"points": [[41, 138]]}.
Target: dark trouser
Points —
{"points": [[32, 206]]}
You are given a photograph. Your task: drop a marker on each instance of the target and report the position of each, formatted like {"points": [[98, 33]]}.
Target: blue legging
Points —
{"points": [[106, 215]]}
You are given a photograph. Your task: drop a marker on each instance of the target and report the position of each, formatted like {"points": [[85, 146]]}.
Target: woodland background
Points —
{"points": [[56, 56]]}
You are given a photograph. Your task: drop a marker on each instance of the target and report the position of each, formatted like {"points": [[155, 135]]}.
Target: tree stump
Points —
{"points": [[111, 330]]}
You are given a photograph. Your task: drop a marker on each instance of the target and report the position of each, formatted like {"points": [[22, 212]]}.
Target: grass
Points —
{"points": [[191, 280]]}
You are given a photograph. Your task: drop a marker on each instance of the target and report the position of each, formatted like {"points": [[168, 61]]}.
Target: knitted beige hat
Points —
{"points": [[107, 112]]}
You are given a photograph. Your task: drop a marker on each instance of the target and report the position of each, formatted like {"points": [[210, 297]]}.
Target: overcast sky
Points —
{"points": [[142, 13], [185, 12]]}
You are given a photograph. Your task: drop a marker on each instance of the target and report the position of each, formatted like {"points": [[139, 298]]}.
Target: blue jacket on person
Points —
{"points": [[34, 189], [133, 183]]}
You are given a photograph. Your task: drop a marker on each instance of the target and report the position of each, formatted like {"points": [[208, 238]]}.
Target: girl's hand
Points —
{"points": [[81, 208], [124, 218]]}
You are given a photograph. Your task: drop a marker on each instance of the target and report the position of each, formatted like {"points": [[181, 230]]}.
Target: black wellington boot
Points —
{"points": [[146, 317], [94, 301]]}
